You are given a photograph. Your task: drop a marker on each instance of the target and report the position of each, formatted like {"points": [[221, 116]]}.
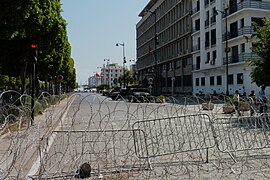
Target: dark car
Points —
{"points": [[139, 95], [122, 93]]}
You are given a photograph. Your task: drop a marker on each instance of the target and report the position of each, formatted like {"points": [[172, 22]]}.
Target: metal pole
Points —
{"points": [[33, 94], [227, 57], [155, 55], [124, 61]]}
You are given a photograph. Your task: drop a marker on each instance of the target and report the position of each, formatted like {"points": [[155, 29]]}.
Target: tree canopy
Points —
{"points": [[23, 22], [261, 68]]}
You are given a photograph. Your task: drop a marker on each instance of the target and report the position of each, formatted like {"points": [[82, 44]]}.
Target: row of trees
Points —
{"points": [[23, 22], [261, 71]]}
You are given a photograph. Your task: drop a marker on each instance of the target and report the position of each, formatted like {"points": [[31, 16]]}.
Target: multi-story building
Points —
{"points": [[221, 44], [110, 74], [164, 46]]}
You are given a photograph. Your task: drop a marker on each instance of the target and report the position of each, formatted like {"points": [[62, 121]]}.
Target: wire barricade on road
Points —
{"points": [[125, 140]]}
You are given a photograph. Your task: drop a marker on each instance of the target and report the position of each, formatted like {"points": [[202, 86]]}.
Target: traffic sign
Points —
{"points": [[60, 78]]}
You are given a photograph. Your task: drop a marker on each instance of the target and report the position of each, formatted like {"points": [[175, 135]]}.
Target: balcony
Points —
{"points": [[246, 30], [250, 4], [241, 58]]}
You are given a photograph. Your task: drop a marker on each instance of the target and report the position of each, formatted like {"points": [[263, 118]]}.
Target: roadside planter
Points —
{"points": [[208, 106], [244, 106], [228, 109]]}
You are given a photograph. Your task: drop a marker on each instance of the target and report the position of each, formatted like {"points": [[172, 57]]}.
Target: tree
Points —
{"points": [[36, 21], [261, 72]]}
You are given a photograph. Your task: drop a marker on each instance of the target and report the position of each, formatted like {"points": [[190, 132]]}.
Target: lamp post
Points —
{"points": [[108, 68], [155, 52], [124, 62], [225, 12]]}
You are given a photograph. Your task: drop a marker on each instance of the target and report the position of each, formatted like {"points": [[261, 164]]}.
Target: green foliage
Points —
{"points": [[261, 72], [35, 21], [4, 79]]}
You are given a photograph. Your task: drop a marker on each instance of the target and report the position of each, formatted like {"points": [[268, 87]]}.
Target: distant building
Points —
{"points": [[94, 81], [110, 74]]}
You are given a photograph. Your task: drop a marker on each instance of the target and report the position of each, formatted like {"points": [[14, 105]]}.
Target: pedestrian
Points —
{"points": [[244, 92], [252, 102], [236, 100], [263, 100], [262, 93]]}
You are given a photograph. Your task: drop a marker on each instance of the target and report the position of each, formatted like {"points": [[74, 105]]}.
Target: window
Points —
{"points": [[177, 64], [242, 23], [243, 47], [219, 80], [203, 81], [207, 43], [212, 80], [214, 55], [240, 78], [187, 80], [208, 58], [197, 81], [213, 37], [230, 79], [197, 24]]}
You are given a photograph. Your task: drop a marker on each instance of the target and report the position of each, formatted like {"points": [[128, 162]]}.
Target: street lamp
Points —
{"points": [[155, 51], [225, 12], [108, 68], [124, 62]]}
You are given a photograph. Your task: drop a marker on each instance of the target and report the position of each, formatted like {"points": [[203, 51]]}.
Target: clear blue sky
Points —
{"points": [[94, 28]]}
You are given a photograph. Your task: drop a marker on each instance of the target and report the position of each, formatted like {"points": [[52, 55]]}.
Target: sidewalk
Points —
{"points": [[19, 150]]}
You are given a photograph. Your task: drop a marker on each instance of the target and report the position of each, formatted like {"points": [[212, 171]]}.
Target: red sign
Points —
{"points": [[60, 78]]}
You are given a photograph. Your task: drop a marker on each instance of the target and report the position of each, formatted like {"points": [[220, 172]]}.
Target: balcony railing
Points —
{"points": [[250, 4], [195, 48], [241, 58], [241, 31]]}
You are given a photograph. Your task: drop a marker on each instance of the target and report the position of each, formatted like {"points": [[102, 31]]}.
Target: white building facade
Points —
{"points": [[110, 74], [220, 61]]}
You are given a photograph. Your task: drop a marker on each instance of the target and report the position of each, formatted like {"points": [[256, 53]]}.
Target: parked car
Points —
{"points": [[139, 95]]}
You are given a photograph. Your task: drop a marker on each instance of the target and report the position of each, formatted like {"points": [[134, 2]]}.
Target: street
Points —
{"points": [[122, 140]]}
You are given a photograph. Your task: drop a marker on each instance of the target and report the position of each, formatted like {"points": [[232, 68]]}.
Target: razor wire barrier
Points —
{"points": [[123, 140]]}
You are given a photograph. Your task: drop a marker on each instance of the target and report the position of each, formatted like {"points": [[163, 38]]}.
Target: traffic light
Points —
{"points": [[34, 52]]}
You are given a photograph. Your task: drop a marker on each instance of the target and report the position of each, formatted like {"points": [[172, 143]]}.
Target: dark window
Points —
{"points": [[243, 47], [177, 81], [208, 57], [203, 81], [233, 30], [197, 81], [230, 79], [177, 64], [207, 43], [198, 62], [214, 55], [197, 24], [187, 80], [242, 23], [213, 37], [212, 80], [219, 80], [240, 78]]}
